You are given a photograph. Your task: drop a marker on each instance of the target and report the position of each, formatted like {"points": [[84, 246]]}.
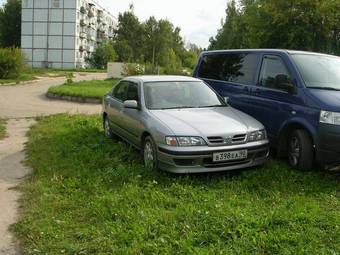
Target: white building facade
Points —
{"points": [[63, 33]]}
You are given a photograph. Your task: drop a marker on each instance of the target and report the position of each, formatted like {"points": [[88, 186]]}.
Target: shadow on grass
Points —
{"points": [[81, 150]]}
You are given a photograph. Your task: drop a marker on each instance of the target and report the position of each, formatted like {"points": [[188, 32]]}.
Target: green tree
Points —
{"points": [[10, 24], [129, 37], [104, 53]]}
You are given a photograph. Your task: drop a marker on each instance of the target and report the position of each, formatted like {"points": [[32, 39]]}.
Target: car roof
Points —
{"points": [[160, 78], [264, 51]]}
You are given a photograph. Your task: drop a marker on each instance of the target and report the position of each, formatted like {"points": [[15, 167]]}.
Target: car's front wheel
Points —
{"points": [[107, 129], [300, 150], [150, 154]]}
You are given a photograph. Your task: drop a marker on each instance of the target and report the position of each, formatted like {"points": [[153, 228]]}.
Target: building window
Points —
{"points": [[56, 3]]}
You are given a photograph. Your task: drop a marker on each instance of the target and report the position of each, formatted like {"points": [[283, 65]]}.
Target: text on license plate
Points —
{"points": [[230, 155]]}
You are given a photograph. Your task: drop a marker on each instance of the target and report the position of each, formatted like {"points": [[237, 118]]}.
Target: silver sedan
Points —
{"points": [[181, 125]]}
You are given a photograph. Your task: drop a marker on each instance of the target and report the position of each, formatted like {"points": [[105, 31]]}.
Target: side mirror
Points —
{"points": [[131, 104], [289, 87]]}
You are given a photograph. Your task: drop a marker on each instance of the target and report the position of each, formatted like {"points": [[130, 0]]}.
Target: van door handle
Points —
{"points": [[257, 91]]}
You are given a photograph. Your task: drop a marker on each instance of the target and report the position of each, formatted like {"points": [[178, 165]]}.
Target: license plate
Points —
{"points": [[230, 155]]}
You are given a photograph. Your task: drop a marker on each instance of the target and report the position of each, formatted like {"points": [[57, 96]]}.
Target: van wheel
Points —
{"points": [[300, 150]]}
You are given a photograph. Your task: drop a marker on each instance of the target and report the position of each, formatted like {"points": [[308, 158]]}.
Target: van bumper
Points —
{"points": [[328, 149]]}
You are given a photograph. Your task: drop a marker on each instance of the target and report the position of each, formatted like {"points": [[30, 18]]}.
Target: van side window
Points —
{"points": [[120, 91], [274, 73], [230, 67]]}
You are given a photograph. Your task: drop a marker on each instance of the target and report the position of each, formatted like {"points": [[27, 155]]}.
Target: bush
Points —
{"points": [[104, 53], [12, 62], [130, 69]]}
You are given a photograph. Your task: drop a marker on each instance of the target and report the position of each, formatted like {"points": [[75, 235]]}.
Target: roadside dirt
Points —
{"points": [[20, 104]]}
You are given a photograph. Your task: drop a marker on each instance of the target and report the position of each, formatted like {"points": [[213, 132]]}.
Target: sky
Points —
{"points": [[198, 19]]}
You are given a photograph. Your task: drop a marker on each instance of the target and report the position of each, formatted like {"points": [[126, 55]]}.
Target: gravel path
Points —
{"points": [[20, 104]]}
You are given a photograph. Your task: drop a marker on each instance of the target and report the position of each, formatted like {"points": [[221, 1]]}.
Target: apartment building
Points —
{"points": [[63, 33]]}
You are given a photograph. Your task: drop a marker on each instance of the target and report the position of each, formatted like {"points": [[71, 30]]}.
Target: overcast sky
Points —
{"points": [[198, 19]]}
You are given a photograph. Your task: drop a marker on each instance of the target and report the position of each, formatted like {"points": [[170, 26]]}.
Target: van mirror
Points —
{"points": [[283, 82]]}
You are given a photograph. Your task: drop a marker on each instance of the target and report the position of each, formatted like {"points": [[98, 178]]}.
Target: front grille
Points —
{"points": [[219, 140]]}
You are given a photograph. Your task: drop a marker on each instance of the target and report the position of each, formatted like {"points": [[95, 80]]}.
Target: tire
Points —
{"points": [[107, 129], [300, 150], [150, 154]]}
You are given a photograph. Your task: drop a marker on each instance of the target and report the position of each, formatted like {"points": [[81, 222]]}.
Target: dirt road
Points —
{"points": [[20, 104]]}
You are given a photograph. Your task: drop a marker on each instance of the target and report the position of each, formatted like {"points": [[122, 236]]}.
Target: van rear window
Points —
{"points": [[230, 67]]}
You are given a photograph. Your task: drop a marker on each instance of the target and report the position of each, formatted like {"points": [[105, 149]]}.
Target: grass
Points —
{"points": [[32, 74], [84, 89], [2, 128], [91, 195]]}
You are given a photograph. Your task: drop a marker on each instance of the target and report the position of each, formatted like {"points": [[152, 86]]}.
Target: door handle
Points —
{"points": [[246, 90], [257, 91]]}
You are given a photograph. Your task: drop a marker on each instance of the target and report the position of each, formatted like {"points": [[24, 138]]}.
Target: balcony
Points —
{"points": [[82, 35], [82, 23]]}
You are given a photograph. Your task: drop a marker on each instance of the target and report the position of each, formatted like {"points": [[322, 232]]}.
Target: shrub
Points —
{"points": [[12, 62], [104, 53], [130, 69]]}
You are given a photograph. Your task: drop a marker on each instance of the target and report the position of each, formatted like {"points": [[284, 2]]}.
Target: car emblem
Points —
{"points": [[228, 140]]}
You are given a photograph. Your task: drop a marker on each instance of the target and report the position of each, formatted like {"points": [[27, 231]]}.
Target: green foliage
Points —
{"points": [[84, 89], [104, 54], [2, 128], [302, 24], [10, 24], [130, 69], [156, 42], [12, 62], [91, 195]]}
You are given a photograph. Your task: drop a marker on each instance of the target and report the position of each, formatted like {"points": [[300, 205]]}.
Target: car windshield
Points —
{"points": [[319, 71], [180, 94]]}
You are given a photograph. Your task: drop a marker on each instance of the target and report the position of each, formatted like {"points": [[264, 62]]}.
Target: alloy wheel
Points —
{"points": [[149, 155], [294, 152]]}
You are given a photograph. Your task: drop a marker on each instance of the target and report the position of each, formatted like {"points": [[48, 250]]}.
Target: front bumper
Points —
{"points": [[328, 148], [200, 159]]}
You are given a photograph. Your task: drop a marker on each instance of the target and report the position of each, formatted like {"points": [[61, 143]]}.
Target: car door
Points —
{"points": [[133, 127], [115, 106], [273, 103]]}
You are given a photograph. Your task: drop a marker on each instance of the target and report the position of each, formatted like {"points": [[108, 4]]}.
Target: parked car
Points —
{"points": [[181, 125], [295, 94]]}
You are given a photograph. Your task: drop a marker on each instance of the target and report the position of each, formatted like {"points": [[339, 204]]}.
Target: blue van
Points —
{"points": [[295, 94]]}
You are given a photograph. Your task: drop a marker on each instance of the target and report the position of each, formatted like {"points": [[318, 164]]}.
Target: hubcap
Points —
{"points": [[294, 151], [148, 155], [107, 128]]}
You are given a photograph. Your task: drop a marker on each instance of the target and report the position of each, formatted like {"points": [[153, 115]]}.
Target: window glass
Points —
{"points": [[173, 95], [231, 67], [120, 91], [319, 71], [274, 73], [132, 93]]}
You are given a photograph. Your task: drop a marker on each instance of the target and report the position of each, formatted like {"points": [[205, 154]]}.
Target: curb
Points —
{"points": [[74, 99]]}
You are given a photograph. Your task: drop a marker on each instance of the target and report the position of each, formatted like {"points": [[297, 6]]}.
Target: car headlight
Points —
{"points": [[257, 135], [330, 117], [184, 141]]}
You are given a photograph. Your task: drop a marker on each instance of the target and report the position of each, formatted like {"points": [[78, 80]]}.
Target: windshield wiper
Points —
{"points": [[211, 106], [325, 88], [177, 107]]}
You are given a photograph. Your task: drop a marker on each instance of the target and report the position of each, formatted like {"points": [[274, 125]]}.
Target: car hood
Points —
{"points": [[207, 121], [327, 100]]}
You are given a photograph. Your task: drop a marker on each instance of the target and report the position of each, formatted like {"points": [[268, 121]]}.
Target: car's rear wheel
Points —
{"points": [[300, 150], [150, 154]]}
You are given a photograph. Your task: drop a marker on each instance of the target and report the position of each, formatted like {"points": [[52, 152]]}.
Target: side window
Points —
{"points": [[132, 93], [120, 91], [274, 73], [231, 67]]}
